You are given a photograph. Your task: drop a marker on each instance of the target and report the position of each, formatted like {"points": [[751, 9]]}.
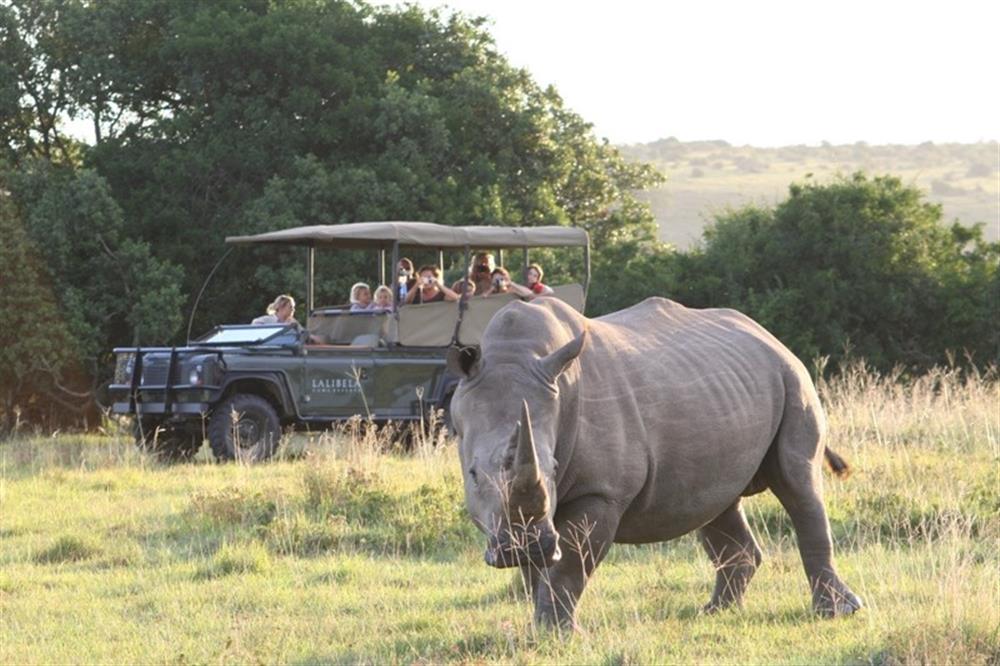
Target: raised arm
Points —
{"points": [[449, 295], [521, 290]]}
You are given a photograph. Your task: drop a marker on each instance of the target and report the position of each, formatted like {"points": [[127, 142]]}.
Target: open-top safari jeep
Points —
{"points": [[239, 386]]}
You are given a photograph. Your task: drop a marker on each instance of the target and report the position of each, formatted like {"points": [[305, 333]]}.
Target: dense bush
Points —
{"points": [[859, 266]]}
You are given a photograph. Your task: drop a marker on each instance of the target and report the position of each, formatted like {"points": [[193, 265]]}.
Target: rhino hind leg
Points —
{"points": [[793, 475], [735, 554]]}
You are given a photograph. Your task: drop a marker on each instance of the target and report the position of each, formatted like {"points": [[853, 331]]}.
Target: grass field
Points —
{"points": [[342, 553]]}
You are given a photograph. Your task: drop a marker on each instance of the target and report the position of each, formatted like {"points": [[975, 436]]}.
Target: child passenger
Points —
{"points": [[361, 297], [383, 299]]}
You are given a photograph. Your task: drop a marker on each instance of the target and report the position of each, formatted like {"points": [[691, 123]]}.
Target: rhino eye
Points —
{"points": [[472, 473]]}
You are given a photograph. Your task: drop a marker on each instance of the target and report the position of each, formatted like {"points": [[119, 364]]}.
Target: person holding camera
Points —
{"points": [[429, 288], [405, 280], [499, 282]]}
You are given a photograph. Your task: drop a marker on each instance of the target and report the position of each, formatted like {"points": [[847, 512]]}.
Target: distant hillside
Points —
{"points": [[704, 177]]}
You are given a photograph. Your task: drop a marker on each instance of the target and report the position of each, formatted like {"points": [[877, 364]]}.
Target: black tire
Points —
{"points": [[244, 427], [167, 443]]}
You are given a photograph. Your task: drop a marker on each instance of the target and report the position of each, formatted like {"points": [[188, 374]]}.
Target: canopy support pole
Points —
{"points": [[463, 299], [395, 283], [310, 284], [381, 266]]}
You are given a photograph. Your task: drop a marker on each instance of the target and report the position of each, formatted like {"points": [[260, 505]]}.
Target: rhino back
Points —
{"points": [[677, 408]]}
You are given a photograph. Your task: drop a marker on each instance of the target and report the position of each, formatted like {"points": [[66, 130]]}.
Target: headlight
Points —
{"points": [[197, 375]]}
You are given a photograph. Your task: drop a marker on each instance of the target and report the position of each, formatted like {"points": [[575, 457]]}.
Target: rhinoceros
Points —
{"points": [[638, 427]]}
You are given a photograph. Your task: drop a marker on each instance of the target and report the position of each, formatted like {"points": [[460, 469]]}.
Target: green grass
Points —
{"points": [[342, 553]]}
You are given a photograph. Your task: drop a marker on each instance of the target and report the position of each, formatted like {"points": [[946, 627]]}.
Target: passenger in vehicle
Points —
{"points": [[383, 299], [481, 270], [535, 287], [429, 288], [405, 280], [280, 311], [361, 297], [499, 282], [470, 288]]}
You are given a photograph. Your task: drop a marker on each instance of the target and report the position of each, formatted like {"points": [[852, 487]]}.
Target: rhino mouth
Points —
{"points": [[539, 549]]}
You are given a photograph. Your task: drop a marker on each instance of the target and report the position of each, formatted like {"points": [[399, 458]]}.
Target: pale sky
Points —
{"points": [[761, 72]]}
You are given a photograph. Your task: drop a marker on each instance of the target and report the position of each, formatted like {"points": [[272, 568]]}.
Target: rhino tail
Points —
{"points": [[837, 464]]}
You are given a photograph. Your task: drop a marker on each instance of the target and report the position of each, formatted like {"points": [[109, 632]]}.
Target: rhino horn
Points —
{"points": [[525, 455], [556, 363]]}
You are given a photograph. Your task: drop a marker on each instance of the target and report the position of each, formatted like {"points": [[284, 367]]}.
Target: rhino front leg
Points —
{"points": [[735, 554], [586, 531]]}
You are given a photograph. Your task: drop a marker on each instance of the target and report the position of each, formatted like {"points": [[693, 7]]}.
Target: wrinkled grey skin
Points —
{"points": [[637, 427]]}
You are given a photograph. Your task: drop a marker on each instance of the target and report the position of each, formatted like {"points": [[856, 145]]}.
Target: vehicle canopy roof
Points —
{"points": [[421, 234]]}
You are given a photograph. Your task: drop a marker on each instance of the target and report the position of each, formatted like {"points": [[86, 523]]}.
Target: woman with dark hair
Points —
{"points": [[499, 282], [429, 288], [405, 280]]}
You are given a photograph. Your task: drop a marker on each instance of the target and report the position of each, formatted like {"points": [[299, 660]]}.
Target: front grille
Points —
{"points": [[154, 373]]}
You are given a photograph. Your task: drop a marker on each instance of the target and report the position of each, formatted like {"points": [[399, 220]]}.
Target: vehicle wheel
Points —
{"points": [[244, 427], [164, 442]]}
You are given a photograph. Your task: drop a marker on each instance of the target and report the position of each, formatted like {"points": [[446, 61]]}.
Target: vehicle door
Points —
{"points": [[339, 381], [409, 381]]}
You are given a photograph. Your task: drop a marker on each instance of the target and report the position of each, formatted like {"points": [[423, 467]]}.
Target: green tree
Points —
{"points": [[262, 115], [237, 116], [36, 348], [860, 265], [108, 288]]}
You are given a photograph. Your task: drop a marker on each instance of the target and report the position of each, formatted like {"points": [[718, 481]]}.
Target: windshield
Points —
{"points": [[227, 335]]}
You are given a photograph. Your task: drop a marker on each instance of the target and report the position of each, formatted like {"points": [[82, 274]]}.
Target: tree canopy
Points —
{"points": [[859, 266], [238, 116]]}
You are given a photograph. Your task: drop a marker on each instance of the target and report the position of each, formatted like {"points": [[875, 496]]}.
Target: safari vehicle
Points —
{"points": [[242, 385]]}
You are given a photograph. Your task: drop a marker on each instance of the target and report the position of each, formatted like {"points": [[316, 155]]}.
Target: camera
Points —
{"points": [[482, 269], [403, 272], [427, 280]]}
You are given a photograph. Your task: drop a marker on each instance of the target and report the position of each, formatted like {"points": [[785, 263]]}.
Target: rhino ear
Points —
{"points": [[556, 363], [463, 361]]}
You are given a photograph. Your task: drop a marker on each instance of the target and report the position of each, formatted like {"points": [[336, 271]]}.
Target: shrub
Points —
{"points": [[248, 558], [235, 506], [68, 549]]}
